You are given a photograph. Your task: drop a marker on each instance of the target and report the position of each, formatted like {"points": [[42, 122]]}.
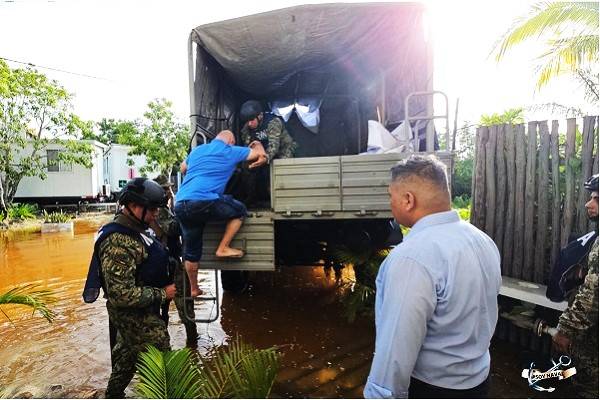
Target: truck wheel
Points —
{"points": [[234, 281]]}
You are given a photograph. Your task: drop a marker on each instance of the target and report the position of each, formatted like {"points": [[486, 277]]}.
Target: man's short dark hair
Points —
{"points": [[425, 167]]}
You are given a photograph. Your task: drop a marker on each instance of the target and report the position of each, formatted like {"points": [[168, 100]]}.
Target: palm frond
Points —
{"points": [[168, 375], [234, 371], [346, 255], [239, 371], [549, 18], [567, 55], [28, 296], [358, 300]]}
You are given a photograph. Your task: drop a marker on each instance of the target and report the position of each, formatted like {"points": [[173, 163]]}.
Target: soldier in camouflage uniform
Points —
{"points": [[270, 131], [168, 231], [132, 270], [578, 325], [267, 129]]}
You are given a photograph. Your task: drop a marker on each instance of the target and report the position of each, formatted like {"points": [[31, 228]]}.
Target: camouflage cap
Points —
{"points": [[163, 181]]}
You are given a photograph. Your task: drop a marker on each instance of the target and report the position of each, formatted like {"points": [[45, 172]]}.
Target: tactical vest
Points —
{"points": [[153, 271], [260, 133], [565, 273]]}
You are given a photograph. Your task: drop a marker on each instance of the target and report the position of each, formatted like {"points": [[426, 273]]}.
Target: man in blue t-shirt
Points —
{"points": [[200, 198]]}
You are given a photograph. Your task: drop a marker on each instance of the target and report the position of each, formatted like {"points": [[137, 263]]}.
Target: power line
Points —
{"points": [[56, 69]]}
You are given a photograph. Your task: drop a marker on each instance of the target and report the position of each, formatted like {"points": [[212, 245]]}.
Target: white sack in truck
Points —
{"points": [[383, 141]]}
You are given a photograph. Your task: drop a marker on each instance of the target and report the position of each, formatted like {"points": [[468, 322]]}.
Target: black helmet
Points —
{"points": [[163, 181], [592, 183], [143, 191], [250, 110]]}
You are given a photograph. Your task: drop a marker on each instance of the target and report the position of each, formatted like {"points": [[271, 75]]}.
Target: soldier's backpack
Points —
{"points": [[569, 270]]}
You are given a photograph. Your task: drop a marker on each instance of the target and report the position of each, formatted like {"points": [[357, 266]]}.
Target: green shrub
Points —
{"points": [[359, 295], [22, 211], [463, 201], [464, 213], [235, 371], [56, 217]]}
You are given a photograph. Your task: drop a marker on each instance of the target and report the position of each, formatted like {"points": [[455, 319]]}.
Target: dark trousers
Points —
{"points": [[421, 390]]}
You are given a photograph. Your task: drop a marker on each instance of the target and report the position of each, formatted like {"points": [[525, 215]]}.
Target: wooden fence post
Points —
{"points": [[556, 199], [569, 205], [490, 178], [530, 190], [478, 215], [520, 164], [587, 152], [474, 174], [541, 262], [509, 149], [500, 206]]}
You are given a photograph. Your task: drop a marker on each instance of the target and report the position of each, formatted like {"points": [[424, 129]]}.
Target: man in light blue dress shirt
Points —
{"points": [[436, 306]]}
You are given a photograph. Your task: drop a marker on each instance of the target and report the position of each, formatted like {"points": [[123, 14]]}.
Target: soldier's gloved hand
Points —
{"points": [[561, 343], [170, 291]]}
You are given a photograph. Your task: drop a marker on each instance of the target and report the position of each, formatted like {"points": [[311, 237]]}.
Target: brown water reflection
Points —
{"points": [[296, 309]]}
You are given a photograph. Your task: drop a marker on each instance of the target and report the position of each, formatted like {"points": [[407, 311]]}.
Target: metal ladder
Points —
{"points": [[200, 299], [429, 117]]}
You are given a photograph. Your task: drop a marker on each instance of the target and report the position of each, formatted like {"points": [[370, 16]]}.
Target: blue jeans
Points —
{"points": [[193, 216]]}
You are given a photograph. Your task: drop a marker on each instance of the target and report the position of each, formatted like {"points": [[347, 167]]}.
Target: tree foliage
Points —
{"points": [[510, 116], [161, 138], [114, 131], [35, 112], [572, 45]]}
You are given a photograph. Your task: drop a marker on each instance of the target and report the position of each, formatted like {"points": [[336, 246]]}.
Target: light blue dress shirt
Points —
{"points": [[436, 308]]}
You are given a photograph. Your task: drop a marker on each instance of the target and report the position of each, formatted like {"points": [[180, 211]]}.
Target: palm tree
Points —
{"points": [[234, 371], [26, 295], [572, 47]]}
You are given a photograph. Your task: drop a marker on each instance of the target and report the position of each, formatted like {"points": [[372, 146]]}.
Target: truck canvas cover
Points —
{"points": [[376, 52]]}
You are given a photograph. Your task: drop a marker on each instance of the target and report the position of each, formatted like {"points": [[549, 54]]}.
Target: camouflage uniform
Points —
{"points": [[579, 322], [275, 138], [277, 143], [169, 228], [132, 307]]}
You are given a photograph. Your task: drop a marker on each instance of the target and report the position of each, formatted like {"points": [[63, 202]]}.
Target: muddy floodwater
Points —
{"points": [[296, 309]]}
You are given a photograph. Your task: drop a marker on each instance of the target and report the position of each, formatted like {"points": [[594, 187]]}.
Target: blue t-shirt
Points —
{"points": [[209, 167]]}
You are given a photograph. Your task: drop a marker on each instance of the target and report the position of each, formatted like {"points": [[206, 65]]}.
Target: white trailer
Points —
{"points": [[65, 182], [118, 170]]}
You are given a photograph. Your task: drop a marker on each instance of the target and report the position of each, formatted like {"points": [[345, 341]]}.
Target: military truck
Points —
{"points": [[352, 63]]}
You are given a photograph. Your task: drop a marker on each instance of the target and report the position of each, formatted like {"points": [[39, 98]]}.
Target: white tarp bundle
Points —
{"points": [[383, 141], [307, 111]]}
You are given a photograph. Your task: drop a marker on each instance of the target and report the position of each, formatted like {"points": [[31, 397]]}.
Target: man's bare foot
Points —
{"points": [[196, 292], [228, 252]]}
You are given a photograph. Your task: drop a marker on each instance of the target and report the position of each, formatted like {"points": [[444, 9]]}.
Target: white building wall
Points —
{"points": [[77, 181], [117, 170]]}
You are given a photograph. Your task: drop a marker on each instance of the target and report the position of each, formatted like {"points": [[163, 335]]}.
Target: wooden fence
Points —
{"points": [[528, 196], [528, 190]]}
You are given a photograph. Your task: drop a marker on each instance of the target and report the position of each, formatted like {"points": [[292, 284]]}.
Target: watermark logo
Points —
{"points": [[534, 375]]}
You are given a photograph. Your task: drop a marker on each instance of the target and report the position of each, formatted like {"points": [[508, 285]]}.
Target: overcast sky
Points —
{"points": [[137, 50]]}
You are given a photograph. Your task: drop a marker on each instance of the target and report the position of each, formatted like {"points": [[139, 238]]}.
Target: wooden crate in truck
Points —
{"points": [[350, 187]]}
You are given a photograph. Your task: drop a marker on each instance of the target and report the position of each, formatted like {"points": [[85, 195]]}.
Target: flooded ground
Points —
{"points": [[297, 310]]}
